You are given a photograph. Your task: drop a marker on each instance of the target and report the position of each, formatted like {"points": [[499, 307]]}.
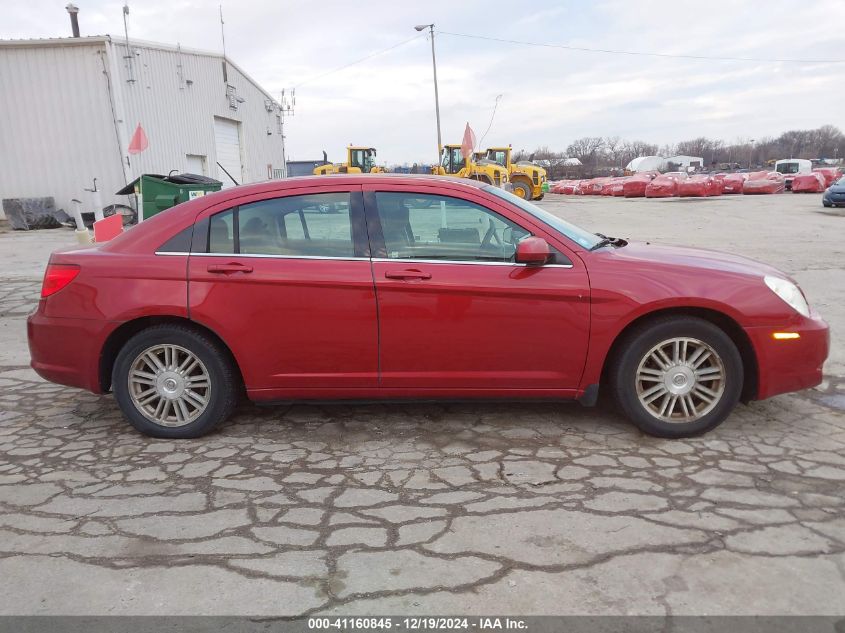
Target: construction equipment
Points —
{"points": [[526, 177], [359, 160], [452, 163]]}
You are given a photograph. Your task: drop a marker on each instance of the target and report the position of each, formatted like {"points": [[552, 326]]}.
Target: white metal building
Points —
{"points": [[70, 106], [686, 162], [646, 163]]}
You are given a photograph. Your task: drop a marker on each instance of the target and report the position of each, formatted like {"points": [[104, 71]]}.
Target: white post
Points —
{"points": [[82, 235], [97, 203]]}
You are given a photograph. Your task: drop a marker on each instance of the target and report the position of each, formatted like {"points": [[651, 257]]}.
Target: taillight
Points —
{"points": [[57, 277]]}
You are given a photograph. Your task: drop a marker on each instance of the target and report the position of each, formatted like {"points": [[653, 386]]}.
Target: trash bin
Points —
{"points": [[156, 193]]}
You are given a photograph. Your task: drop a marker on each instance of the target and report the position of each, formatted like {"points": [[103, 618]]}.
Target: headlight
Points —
{"points": [[789, 292]]}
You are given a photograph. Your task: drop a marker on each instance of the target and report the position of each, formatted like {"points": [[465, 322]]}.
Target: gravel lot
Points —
{"points": [[427, 509]]}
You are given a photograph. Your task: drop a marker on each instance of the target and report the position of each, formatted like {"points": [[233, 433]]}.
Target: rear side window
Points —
{"points": [[179, 243], [315, 225]]}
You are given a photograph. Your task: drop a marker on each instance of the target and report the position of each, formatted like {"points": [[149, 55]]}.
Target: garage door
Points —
{"points": [[227, 142]]}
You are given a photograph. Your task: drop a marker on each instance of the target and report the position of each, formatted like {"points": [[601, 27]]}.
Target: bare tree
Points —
{"points": [[586, 149], [613, 149], [696, 147]]}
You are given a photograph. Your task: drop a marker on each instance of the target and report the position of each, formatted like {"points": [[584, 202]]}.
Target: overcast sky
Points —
{"points": [[549, 96]]}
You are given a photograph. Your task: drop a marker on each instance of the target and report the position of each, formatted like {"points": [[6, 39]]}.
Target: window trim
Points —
{"points": [[469, 262]]}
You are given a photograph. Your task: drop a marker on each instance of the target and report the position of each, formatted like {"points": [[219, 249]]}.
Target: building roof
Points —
{"points": [[90, 40], [647, 163], [683, 158]]}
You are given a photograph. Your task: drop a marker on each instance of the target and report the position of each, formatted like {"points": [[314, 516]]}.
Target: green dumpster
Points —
{"points": [[156, 193]]}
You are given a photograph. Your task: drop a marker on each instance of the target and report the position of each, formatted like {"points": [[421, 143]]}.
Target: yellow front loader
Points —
{"points": [[359, 160], [452, 163], [526, 178]]}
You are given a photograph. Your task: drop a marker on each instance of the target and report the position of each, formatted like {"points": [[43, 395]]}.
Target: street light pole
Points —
{"points": [[430, 27]]}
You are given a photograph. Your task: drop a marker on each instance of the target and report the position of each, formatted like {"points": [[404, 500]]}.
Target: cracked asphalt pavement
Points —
{"points": [[436, 508]]}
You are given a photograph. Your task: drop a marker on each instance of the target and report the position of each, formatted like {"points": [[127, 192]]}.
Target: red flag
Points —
{"points": [[139, 141], [468, 144]]}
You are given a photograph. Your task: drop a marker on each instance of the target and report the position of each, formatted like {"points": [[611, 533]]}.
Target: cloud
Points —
{"points": [[550, 96]]}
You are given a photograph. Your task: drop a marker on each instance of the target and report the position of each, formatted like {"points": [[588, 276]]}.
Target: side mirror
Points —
{"points": [[533, 251]]}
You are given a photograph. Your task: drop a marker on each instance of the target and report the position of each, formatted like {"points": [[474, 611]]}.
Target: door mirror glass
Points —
{"points": [[533, 251]]}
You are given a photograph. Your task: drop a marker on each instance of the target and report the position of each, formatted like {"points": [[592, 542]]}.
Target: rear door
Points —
{"points": [[286, 282], [457, 315]]}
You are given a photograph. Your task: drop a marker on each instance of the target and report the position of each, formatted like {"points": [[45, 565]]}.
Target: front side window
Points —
{"points": [[432, 227], [787, 168], [314, 225]]}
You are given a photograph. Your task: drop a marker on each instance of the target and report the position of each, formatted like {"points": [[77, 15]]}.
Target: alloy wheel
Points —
{"points": [[680, 380], [169, 385]]}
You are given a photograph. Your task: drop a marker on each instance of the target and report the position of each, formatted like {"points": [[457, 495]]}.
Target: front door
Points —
{"points": [[456, 312], [286, 283]]}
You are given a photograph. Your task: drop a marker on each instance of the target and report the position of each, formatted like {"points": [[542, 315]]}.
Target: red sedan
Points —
{"points": [[382, 287]]}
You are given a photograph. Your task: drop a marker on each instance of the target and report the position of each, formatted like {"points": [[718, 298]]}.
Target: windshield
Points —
{"points": [[452, 160], [575, 233], [363, 159], [496, 156], [787, 168]]}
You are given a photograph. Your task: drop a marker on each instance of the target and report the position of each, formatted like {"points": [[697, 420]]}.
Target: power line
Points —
{"points": [[643, 53], [489, 125], [358, 61]]}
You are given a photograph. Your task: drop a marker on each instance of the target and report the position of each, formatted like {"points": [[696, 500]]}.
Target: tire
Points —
{"points": [[827, 204], [152, 386], [521, 189], [635, 374]]}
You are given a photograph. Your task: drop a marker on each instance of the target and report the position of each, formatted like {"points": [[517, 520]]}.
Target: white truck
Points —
{"points": [[791, 166]]}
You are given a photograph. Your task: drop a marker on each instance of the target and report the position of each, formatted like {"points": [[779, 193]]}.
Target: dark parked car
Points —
{"points": [[834, 196], [414, 287]]}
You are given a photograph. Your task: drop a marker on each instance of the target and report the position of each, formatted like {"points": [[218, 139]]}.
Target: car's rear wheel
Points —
{"points": [[174, 382], [677, 377]]}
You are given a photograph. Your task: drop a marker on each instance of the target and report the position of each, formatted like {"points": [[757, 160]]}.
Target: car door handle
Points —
{"points": [[406, 274], [232, 267]]}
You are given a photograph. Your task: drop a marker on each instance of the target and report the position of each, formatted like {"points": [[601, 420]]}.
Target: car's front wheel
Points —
{"points": [[677, 377], [174, 382]]}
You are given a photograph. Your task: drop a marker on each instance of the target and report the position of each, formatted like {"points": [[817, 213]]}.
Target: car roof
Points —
{"points": [[398, 179]]}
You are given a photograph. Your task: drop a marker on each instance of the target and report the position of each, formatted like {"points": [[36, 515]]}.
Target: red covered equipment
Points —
{"points": [[699, 187], [593, 186], [732, 183], [664, 186], [617, 186], [764, 182], [635, 186], [808, 183], [831, 174]]}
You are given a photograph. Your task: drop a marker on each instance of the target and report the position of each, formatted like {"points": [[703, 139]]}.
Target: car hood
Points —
{"points": [[837, 188], [699, 258]]}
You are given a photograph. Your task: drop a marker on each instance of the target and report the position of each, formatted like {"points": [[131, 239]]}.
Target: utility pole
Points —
{"points": [[430, 27]]}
